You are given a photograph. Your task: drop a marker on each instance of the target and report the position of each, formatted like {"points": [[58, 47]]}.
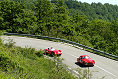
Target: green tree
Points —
{"points": [[61, 17], [43, 11], [9, 10], [26, 22], [15, 18]]}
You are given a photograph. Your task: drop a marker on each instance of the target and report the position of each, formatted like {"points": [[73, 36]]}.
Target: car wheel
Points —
{"points": [[52, 53], [47, 53], [85, 63], [59, 55]]}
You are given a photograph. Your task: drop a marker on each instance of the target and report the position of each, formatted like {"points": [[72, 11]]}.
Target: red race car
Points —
{"points": [[85, 60], [53, 52]]}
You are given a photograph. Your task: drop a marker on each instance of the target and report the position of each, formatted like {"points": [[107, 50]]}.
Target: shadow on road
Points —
{"points": [[81, 65]]}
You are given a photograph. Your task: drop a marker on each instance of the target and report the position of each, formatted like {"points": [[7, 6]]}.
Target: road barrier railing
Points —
{"points": [[67, 41]]}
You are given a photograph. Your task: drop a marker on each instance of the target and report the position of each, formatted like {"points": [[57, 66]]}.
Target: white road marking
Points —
{"points": [[98, 67], [106, 71], [73, 55]]}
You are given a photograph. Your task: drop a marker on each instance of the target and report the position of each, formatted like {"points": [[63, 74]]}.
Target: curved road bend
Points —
{"points": [[104, 67]]}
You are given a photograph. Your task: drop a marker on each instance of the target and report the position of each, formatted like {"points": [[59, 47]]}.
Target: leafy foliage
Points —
{"points": [[105, 11], [15, 18]]}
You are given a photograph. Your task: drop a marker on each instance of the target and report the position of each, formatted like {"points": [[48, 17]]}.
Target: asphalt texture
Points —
{"points": [[104, 67]]}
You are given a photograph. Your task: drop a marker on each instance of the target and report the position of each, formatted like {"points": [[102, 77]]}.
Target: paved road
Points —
{"points": [[104, 67]]}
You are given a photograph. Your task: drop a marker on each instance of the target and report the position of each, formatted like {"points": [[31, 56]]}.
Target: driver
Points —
{"points": [[52, 48]]}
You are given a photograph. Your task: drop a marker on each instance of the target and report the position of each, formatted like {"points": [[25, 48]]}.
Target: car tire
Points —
{"points": [[52, 54], [59, 55], [83, 63]]}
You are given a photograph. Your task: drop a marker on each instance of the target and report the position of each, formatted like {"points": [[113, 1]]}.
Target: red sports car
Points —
{"points": [[53, 52], [85, 60]]}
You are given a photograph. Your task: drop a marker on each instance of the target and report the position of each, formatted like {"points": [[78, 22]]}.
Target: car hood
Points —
{"points": [[88, 60], [57, 51]]}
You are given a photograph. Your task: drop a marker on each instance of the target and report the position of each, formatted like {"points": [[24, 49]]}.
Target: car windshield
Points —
{"points": [[52, 49], [85, 57]]}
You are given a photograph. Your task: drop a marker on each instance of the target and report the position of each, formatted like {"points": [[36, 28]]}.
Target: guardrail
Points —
{"points": [[63, 40]]}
